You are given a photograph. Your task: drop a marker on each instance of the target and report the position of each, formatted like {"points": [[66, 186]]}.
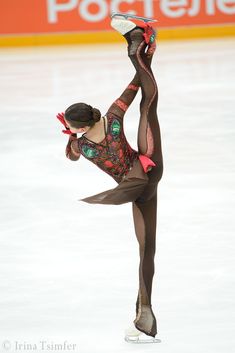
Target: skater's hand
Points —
{"points": [[60, 117]]}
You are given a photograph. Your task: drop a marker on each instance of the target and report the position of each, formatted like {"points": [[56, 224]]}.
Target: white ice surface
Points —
{"points": [[69, 270]]}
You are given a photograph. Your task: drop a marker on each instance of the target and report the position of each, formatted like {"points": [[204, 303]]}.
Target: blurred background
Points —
{"points": [[69, 270], [31, 22]]}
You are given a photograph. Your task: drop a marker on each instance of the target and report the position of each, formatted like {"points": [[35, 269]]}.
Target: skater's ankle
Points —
{"points": [[135, 39]]}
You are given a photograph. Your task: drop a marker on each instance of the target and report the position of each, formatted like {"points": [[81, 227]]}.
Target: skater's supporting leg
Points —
{"points": [[144, 215]]}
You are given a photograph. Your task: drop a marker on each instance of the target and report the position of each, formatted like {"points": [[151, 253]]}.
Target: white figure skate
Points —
{"points": [[124, 23], [132, 335], [134, 17]]}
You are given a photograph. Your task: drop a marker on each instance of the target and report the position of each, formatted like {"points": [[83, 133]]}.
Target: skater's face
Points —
{"points": [[77, 131]]}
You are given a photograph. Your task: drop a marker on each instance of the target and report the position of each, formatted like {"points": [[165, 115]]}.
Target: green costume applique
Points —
{"points": [[89, 152], [115, 128]]}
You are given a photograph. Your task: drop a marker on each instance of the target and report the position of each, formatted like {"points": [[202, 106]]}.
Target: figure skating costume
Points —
{"points": [[136, 172]]}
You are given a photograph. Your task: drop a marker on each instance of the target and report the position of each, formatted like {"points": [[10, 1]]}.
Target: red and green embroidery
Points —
{"points": [[114, 155]]}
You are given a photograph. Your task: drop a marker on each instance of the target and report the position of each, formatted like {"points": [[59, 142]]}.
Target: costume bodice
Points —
{"points": [[113, 155]]}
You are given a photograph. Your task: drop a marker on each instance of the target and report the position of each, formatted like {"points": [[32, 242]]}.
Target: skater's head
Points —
{"points": [[80, 117]]}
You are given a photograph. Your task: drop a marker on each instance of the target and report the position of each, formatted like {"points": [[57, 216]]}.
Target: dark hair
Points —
{"points": [[82, 114]]}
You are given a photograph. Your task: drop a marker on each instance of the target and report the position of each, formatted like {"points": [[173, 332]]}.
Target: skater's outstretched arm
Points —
{"points": [[71, 150], [120, 105]]}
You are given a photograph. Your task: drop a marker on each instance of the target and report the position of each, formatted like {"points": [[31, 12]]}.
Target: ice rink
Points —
{"points": [[69, 270]]}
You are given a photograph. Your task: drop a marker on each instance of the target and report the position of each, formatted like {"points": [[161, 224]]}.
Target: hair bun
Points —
{"points": [[96, 114]]}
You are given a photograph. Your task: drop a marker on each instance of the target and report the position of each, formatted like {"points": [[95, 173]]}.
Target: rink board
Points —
{"points": [[111, 36]]}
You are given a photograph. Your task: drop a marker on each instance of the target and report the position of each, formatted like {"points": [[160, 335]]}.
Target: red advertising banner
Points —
{"points": [[56, 16]]}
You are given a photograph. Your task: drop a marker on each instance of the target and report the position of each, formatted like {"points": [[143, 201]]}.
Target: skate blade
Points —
{"points": [[126, 16], [140, 339]]}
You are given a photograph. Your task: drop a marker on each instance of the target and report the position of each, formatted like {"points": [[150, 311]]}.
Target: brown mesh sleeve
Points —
{"points": [[120, 105], [72, 152]]}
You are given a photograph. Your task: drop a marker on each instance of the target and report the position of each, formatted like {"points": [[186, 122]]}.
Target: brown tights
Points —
{"points": [[139, 188], [145, 206]]}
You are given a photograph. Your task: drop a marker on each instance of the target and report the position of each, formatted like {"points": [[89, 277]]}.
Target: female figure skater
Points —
{"points": [[137, 173]]}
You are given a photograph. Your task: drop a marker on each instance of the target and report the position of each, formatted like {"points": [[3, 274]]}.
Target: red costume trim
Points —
{"points": [[133, 87], [121, 104]]}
